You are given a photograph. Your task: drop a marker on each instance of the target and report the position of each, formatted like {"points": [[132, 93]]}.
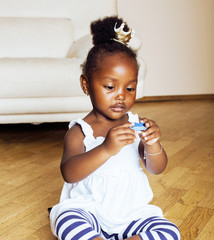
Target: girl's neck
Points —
{"points": [[101, 125]]}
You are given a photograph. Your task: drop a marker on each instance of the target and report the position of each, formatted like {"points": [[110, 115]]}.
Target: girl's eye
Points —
{"points": [[130, 89], [109, 87]]}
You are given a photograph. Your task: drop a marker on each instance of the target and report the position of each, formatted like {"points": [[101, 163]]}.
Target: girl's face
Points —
{"points": [[112, 87]]}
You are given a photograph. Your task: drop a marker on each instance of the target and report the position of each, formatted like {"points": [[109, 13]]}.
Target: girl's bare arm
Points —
{"points": [[151, 152], [77, 164]]}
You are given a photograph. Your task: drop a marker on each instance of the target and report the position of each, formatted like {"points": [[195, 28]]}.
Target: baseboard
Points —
{"points": [[176, 98]]}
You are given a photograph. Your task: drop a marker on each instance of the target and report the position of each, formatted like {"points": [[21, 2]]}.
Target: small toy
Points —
{"points": [[139, 127]]}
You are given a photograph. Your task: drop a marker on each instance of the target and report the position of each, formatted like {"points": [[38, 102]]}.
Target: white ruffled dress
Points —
{"points": [[117, 193]]}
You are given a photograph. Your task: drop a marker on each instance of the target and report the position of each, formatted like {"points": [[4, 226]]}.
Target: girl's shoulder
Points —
{"points": [[73, 141], [79, 129], [74, 132]]}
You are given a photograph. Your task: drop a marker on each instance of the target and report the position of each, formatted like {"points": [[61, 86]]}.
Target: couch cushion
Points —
{"points": [[35, 37], [41, 118], [40, 77], [45, 105]]}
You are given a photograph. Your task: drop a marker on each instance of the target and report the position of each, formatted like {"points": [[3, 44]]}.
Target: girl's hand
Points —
{"points": [[151, 152], [119, 137], [152, 134]]}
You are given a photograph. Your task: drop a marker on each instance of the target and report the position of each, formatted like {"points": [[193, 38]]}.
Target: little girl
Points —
{"points": [[106, 194]]}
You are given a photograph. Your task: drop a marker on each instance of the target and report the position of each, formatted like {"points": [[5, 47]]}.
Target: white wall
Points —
{"points": [[177, 44]]}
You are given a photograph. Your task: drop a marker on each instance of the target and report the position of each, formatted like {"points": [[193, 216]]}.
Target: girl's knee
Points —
{"points": [[77, 224], [159, 228]]}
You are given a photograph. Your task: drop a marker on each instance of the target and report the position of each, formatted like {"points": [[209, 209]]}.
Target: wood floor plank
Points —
{"points": [[42, 233], [207, 233], [195, 222], [167, 199]]}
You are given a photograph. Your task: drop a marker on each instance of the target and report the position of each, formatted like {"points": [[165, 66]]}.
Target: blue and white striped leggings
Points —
{"points": [[77, 224]]}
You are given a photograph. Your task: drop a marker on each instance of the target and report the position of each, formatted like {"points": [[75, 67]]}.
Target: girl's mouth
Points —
{"points": [[120, 107]]}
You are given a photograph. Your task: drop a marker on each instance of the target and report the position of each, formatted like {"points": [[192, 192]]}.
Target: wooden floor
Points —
{"points": [[31, 182]]}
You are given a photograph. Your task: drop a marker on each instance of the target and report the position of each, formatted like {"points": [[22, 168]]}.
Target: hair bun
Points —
{"points": [[102, 30]]}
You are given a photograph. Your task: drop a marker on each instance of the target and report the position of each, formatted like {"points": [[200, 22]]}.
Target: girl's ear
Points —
{"points": [[84, 84]]}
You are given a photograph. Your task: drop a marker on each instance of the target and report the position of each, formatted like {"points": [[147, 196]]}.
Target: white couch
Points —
{"points": [[42, 45]]}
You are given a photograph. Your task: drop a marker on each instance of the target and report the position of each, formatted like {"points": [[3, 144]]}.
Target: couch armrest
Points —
{"points": [[80, 48]]}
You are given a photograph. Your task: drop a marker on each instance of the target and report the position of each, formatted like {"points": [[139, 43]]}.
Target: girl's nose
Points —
{"points": [[120, 95]]}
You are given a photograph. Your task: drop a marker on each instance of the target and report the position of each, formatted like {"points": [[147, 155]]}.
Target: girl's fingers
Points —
{"points": [[151, 136], [122, 133], [125, 132], [126, 135], [121, 137], [125, 138], [148, 123], [151, 130], [127, 141], [144, 120], [123, 129], [129, 124], [125, 125]]}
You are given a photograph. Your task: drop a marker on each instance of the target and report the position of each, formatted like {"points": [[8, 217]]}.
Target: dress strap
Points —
{"points": [[133, 117], [86, 128]]}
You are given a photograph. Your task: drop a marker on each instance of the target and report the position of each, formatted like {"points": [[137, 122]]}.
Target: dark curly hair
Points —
{"points": [[103, 34]]}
